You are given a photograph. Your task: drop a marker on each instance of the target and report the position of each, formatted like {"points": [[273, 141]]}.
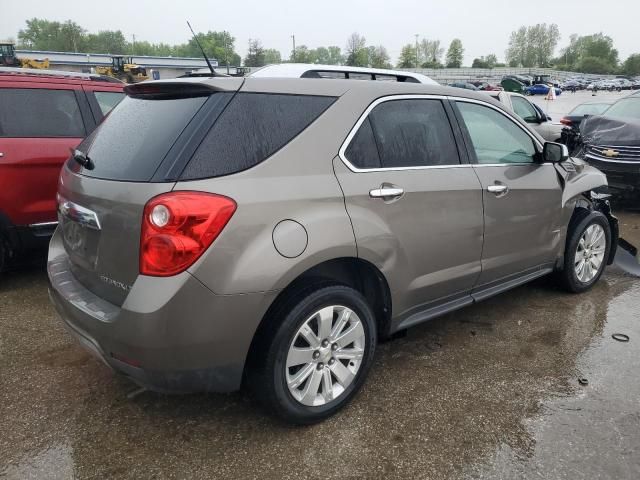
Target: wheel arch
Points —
{"points": [[354, 272], [590, 201]]}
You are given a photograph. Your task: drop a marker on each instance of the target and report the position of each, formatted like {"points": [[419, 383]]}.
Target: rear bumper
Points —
{"points": [[187, 341]]}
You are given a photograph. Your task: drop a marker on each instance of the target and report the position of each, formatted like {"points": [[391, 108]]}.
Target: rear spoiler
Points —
{"points": [[166, 89]]}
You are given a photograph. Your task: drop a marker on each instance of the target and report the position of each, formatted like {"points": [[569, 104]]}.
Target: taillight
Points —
{"points": [[178, 227], [566, 121]]}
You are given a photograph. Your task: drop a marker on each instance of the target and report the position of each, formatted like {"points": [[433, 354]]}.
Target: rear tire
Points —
{"points": [[317, 355], [4, 253], [587, 250]]}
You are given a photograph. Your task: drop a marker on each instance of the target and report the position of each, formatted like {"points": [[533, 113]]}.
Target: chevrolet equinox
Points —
{"points": [[266, 232]]}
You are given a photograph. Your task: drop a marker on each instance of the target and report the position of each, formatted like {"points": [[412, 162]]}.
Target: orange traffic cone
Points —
{"points": [[552, 93]]}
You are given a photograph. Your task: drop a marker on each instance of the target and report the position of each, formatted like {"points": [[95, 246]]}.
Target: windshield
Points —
{"points": [[590, 109], [626, 108]]}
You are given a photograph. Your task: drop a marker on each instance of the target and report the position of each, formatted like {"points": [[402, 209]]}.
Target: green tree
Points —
{"points": [[631, 65], [335, 56], [356, 51], [303, 54], [533, 46], [55, 36], [271, 55], [430, 53], [378, 57], [489, 61], [589, 51], [107, 41], [455, 54], [255, 55], [407, 57]]}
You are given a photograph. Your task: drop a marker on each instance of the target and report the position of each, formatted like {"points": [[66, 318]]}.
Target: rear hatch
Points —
{"points": [[138, 152]]}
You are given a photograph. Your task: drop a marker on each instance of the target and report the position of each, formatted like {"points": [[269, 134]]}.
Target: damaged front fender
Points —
{"points": [[578, 179], [583, 186]]}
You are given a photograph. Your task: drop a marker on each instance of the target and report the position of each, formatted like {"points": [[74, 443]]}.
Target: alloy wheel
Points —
{"points": [[590, 253], [325, 355]]}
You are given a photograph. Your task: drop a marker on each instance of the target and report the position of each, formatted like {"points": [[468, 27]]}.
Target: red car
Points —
{"points": [[43, 114]]}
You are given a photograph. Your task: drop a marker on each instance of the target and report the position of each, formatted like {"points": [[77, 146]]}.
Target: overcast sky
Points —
{"points": [[483, 26]]}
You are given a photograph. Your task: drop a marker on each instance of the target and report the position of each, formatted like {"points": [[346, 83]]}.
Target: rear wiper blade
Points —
{"points": [[82, 158]]}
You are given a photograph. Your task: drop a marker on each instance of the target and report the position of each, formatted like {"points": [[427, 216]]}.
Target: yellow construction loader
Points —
{"points": [[124, 69], [8, 58]]}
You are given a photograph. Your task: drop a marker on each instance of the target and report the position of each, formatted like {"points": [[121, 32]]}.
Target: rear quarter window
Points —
{"points": [[252, 128], [30, 112]]}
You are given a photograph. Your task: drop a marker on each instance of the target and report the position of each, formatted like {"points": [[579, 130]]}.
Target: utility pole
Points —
{"points": [[293, 37], [226, 50], [417, 66]]}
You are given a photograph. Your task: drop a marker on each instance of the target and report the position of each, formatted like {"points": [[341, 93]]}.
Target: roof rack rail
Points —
{"points": [[58, 74]]}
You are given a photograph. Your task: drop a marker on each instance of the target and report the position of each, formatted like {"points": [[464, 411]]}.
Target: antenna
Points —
{"points": [[195, 37]]}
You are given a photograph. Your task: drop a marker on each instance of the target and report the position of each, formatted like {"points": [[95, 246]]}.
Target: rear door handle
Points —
{"points": [[498, 190], [386, 193]]}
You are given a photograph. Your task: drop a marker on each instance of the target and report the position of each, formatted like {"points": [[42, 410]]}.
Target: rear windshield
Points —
{"points": [[252, 128], [627, 108], [589, 109], [135, 137]]}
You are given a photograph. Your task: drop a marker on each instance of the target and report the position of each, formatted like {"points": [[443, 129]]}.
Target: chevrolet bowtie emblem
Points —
{"points": [[610, 153]]}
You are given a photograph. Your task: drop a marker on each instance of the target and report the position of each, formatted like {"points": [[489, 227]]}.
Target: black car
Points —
{"points": [[572, 121], [611, 142]]}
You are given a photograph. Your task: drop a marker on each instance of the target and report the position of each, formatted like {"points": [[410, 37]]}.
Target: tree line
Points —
{"points": [[529, 46]]}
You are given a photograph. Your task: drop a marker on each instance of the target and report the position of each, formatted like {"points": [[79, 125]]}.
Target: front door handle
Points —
{"points": [[386, 192], [498, 190]]}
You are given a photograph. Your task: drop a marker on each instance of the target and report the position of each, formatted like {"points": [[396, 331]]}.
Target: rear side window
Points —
{"points": [[413, 133], [28, 112], [108, 100], [134, 139], [252, 128]]}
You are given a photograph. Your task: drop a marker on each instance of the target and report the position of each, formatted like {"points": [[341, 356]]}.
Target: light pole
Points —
{"points": [[417, 66], [293, 38]]}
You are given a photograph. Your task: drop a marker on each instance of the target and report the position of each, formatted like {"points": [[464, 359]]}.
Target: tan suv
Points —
{"points": [[268, 232]]}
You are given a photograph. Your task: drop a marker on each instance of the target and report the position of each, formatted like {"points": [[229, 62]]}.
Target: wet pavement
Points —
{"points": [[487, 392]]}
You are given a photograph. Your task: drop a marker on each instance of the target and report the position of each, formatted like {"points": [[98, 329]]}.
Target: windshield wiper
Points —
{"points": [[82, 158]]}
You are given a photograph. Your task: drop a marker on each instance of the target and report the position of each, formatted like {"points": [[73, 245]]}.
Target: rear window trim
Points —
{"points": [[197, 129]]}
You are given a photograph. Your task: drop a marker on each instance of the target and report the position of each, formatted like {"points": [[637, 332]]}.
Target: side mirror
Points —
{"points": [[555, 152]]}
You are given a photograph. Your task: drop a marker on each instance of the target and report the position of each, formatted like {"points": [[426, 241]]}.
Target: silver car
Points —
{"points": [[531, 113], [215, 233]]}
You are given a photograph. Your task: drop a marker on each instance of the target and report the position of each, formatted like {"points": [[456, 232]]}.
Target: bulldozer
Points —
{"points": [[124, 69], [8, 58]]}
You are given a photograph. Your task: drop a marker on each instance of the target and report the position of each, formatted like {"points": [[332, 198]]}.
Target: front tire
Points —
{"points": [[321, 349], [587, 251]]}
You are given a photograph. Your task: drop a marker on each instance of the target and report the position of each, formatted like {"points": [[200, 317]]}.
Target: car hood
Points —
{"points": [[602, 130]]}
